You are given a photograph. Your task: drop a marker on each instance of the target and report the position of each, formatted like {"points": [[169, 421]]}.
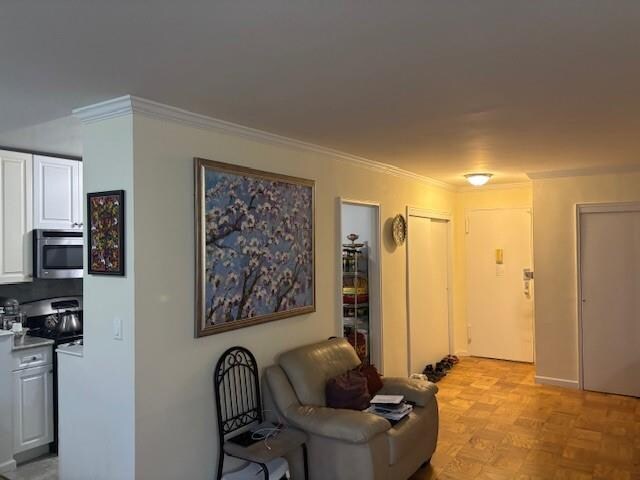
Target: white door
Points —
{"points": [[610, 288], [57, 193], [32, 408], [15, 217], [499, 299], [428, 267]]}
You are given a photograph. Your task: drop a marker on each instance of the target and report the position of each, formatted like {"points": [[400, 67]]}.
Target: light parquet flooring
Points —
{"points": [[497, 424]]}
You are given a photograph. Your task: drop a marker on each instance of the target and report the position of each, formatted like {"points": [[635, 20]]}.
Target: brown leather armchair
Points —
{"points": [[348, 444]]}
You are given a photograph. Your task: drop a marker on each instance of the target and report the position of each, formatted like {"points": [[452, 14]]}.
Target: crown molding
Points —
{"points": [[584, 172], [129, 105], [493, 186], [112, 108]]}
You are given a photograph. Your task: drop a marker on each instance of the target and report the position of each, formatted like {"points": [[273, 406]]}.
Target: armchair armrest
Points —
{"points": [[348, 425], [415, 391]]}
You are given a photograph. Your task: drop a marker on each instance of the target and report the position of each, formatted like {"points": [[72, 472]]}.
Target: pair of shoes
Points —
{"points": [[433, 375], [453, 359], [444, 364]]}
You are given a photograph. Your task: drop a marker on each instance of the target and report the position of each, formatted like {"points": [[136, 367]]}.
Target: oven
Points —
{"points": [[57, 253]]}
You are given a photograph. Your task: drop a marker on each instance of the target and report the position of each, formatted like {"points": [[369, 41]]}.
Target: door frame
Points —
{"points": [[378, 229], [436, 215], [466, 277], [585, 209]]}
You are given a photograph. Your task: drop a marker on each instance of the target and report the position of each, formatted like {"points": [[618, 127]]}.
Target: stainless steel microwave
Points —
{"points": [[57, 253]]}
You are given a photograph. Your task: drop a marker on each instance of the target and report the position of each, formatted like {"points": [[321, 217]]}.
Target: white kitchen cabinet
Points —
{"points": [[57, 193], [15, 216], [32, 407]]}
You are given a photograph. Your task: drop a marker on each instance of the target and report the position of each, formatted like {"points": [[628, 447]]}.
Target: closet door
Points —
{"points": [[428, 266], [610, 303]]}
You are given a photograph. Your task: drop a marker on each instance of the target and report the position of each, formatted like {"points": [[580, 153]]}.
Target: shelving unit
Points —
{"points": [[355, 297]]}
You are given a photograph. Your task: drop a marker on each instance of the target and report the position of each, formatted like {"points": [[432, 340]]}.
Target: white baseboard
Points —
{"points": [[9, 466], [558, 382], [462, 353]]}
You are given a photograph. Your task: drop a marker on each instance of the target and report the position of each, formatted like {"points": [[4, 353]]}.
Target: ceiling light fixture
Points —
{"points": [[478, 179]]}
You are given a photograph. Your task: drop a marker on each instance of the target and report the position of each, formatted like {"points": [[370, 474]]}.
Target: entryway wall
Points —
{"points": [[555, 264], [473, 198]]}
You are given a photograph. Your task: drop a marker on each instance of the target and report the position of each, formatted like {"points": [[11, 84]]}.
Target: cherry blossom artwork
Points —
{"points": [[255, 259]]}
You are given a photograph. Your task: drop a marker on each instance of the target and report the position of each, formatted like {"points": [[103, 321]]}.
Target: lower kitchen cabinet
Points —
{"points": [[32, 407]]}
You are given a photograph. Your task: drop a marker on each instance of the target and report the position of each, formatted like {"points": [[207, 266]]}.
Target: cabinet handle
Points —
{"points": [[74, 224]]}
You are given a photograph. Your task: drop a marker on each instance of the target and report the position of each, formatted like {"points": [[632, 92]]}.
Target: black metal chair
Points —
{"points": [[239, 408]]}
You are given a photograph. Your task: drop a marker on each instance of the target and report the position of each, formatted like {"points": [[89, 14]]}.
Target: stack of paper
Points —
{"points": [[391, 407], [394, 416]]}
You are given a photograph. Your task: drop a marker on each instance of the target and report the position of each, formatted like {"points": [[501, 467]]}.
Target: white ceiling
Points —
{"points": [[438, 88]]}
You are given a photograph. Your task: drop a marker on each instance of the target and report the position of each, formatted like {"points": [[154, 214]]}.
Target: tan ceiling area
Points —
{"points": [[437, 88]]}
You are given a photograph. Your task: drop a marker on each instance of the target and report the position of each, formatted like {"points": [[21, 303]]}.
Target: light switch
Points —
{"points": [[117, 328]]}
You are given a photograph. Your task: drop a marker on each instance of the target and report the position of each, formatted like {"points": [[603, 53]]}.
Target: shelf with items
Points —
{"points": [[355, 297]]}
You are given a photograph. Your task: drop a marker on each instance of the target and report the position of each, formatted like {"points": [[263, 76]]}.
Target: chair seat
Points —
{"points": [[285, 442], [277, 468], [407, 433]]}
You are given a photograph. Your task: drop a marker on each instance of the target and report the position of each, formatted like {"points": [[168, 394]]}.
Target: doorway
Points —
{"points": [[362, 320], [609, 304], [428, 278], [499, 287]]}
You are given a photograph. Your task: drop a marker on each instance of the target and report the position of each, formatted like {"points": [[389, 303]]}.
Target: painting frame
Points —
{"points": [[201, 166], [120, 194]]}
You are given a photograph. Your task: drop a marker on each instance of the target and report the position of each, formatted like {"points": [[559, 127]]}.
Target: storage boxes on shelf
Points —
{"points": [[355, 296]]}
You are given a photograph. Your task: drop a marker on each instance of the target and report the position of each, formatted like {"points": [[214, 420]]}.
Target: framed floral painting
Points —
{"points": [[105, 215], [254, 247]]}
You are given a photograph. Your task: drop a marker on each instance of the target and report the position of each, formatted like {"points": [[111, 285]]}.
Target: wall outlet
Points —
{"points": [[117, 328]]}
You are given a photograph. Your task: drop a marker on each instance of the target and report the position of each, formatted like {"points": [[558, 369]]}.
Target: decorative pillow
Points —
{"points": [[374, 379], [348, 390]]}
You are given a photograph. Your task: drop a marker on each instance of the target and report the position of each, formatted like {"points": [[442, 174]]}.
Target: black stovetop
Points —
{"points": [[57, 337]]}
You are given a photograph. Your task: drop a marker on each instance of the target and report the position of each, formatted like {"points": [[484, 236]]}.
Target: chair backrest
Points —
{"points": [[308, 368], [237, 391]]}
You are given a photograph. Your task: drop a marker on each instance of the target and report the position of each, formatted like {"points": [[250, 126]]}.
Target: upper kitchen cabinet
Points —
{"points": [[57, 194], [16, 177]]}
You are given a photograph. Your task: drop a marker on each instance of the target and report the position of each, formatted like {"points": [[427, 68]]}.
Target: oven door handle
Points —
{"points": [[62, 242]]}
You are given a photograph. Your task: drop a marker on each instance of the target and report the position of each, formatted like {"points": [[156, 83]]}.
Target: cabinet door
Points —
{"points": [[32, 408], [79, 196], [15, 217], [55, 193]]}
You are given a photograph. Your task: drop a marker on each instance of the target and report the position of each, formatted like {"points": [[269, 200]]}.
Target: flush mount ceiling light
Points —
{"points": [[478, 179]]}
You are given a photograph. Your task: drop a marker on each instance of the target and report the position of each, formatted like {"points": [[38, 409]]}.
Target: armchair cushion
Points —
{"points": [[347, 425], [308, 368], [415, 391]]}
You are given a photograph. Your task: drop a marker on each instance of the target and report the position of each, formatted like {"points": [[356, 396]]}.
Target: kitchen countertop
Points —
{"points": [[72, 349], [30, 342]]}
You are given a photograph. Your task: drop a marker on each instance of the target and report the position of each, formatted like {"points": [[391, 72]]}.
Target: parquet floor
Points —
{"points": [[497, 424]]}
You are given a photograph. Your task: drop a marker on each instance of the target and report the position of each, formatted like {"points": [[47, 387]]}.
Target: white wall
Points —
{"points": [[149, 397], [175, 424], [98, 440], [359, 219], [555, 260]]}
